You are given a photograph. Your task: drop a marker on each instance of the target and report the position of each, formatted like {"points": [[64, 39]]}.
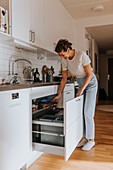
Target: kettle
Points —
{"points": [[28, 72]]}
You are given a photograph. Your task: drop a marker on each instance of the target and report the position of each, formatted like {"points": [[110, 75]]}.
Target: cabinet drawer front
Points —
{"points": [[73, 108], [42, 91], [68, 96], [73, 124], [69, 87], [74, 133], [48, 149]]}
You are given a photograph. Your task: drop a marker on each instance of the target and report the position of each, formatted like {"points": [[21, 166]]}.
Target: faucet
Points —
{"points": [[20, 59], [15, 78]]}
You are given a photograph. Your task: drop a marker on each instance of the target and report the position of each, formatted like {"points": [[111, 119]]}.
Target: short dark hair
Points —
{"points": [[63, 45]]}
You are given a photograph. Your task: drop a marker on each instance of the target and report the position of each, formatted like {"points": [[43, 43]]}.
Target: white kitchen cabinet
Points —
{"points": [[41, 22], [67, 133], [14, 128], [42, 91], [69, 87], [68, 94], [21, 20], [28, 21], [4, 18], [73, 124], [37, 22], [52, 23]]}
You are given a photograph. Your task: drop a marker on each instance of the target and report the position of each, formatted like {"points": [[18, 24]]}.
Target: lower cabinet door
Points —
{"points": [[73, 124]]}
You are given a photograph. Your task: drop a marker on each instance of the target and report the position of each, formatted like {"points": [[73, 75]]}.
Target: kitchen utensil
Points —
{"points": [[47, 74], [50, 72]]}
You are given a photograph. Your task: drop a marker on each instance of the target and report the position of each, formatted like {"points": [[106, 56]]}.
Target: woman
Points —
{"points": [[78, 63]]}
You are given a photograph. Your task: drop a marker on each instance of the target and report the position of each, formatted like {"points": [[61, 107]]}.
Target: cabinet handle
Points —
{"points": [[67, 85], [30, 35], [33, 34], [78, 100], [68, 93]]}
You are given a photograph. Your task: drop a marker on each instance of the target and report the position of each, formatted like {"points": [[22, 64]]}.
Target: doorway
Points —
{"points": [[110, 78]]}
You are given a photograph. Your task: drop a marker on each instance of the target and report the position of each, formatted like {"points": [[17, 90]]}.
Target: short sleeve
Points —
{"points": [[85, 59], [64, 64]]}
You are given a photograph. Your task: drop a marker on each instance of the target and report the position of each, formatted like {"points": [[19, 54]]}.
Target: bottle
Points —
{"points": [[36, 76]]}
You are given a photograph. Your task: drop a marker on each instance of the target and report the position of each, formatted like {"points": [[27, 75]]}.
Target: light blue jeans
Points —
{"points": [[89, 105]]}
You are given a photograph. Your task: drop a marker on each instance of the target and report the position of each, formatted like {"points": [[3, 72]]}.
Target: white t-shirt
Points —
{"points": [[75, 66]]}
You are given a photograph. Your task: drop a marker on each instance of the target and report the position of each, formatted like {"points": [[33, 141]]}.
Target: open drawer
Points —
{"points": [[60, 138]]}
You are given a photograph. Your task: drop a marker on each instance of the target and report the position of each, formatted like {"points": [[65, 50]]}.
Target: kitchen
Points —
{"points": [[35, 42]]}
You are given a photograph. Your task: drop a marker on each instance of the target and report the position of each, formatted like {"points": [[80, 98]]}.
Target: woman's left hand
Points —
{"points": [[79, 93]]}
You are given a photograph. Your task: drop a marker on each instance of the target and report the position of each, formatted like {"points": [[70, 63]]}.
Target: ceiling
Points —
{"points": [[4, 4], [83, 9]]}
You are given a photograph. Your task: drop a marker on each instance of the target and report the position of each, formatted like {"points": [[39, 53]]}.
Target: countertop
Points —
{"points": [[29, 85]]}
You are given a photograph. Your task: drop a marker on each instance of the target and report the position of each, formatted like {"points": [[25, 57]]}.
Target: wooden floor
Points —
{"points": [[99, 158]]}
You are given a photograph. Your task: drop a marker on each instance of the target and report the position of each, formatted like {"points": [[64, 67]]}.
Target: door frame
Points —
{"points": [[109, 58]]}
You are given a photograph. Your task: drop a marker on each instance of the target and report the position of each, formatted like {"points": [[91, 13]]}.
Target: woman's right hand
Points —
{"points": [[80, 92], [57, 98]]}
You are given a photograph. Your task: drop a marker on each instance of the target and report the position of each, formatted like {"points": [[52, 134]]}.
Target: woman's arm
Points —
{"points": [[62, 85], [63, 82], [89, 73]]}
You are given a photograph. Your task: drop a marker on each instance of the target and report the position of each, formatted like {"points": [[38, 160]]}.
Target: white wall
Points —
{"points": [[95, 50], [59, 24], [80, 42], [81, 24], [87, 40]]}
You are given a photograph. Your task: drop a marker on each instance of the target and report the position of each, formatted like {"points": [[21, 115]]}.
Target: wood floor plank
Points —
{"points": [[99, 158]]}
